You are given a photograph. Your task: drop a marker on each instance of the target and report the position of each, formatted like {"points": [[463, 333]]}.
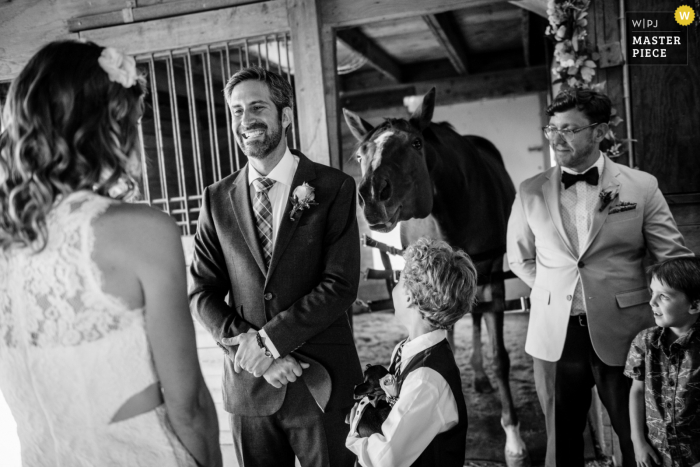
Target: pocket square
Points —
{"points": [[622, 206]]}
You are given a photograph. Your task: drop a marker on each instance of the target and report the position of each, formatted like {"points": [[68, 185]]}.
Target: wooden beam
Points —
{"points": [[315, 82], [196, 29], [446, 30], [532, 30], [355, 40], [146, 13], [452, 90], [525, 33], [357, 12]]}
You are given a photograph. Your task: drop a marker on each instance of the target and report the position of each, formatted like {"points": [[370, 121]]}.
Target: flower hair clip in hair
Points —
{"points": [[120, 68]]}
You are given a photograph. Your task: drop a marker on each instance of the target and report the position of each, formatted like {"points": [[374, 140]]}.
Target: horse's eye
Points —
{"points": [[417, 143]]}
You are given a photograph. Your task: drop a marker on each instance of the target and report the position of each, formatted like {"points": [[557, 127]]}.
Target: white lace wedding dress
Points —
{"points": [[71, 355]]}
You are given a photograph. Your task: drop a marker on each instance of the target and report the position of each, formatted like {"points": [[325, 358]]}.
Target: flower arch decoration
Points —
{"points": [[575, 59]]}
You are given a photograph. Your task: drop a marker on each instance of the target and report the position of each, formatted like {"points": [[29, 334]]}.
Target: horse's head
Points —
{"points": [[395, 183]]}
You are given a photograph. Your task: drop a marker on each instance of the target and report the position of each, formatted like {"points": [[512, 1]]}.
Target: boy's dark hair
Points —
{"points": [[682, 274], [441, 280], [595, 106], [281, 91]]}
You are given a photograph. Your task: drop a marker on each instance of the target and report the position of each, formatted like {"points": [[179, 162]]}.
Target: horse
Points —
{"points": [[442, 185]]}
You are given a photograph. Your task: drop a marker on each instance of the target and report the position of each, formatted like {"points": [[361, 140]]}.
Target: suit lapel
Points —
{"points": [[550, 190], [240, 199], [610, 183], [305, 173]]}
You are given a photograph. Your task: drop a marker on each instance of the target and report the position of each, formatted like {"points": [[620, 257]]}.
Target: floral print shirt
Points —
{"points": [[671, 376]]}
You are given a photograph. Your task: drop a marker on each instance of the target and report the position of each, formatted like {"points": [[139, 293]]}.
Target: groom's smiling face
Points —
{"points": [[256, 123]]}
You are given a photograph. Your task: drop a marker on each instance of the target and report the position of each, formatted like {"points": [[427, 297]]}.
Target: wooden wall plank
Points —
{"points": [[315, 82], [195, 29], [149, 12], [452, 90], [665, 117], [356, 12]]}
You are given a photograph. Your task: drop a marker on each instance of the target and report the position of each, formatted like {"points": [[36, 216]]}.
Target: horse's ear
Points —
{"points": [[424, 114], [358, 126]]}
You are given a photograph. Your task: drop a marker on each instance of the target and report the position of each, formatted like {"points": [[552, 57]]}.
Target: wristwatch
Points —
{"points": [[261, 344]]}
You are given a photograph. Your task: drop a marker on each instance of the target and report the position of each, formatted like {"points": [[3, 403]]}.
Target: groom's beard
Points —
{"points": [[261, 148]]}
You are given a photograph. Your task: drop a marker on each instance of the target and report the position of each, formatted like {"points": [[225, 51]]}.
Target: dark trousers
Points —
{"points": [[298, 429], [564, 390]]}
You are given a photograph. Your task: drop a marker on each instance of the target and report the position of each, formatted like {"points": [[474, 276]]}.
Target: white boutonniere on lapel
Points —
{"points": [[389, 384], [302, 198], [607, 197]]}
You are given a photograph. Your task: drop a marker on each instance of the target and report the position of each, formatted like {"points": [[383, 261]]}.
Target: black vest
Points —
{"points": [[446, 449]]}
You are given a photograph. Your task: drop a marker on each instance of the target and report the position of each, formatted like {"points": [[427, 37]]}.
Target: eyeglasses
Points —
{"points": [[567, 133]]}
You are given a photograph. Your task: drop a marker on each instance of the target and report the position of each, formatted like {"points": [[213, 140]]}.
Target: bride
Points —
{"points": [[97, 349]]}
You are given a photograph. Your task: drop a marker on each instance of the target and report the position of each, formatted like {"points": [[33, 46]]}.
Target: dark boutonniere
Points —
{"points": [[607, 197], [390, 386], [302, 198]]}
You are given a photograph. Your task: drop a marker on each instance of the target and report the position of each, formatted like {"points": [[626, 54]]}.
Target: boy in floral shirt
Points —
{"points": [[664, 363], [427, 425]]}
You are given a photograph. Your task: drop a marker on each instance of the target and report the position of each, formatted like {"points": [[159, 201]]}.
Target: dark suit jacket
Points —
{"points": [[302, 301]]}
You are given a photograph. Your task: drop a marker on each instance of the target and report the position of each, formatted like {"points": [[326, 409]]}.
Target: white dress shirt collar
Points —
{"points": [[282, 173], [420, 343]]}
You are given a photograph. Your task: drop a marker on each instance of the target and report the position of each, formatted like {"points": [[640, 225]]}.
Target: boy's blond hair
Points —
{"points": [[441, 280]]}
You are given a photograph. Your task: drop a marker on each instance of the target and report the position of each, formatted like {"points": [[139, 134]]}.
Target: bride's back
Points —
{"points": [[71, 354], [83, 357]]}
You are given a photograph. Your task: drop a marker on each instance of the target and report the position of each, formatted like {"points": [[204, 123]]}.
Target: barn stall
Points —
{"points": [[488, 60]]}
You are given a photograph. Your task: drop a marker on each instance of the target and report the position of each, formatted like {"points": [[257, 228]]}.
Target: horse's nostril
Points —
{"points": [[384, 191]]}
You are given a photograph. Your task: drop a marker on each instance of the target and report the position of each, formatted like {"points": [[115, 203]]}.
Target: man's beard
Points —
{"points": [[261, 149]]}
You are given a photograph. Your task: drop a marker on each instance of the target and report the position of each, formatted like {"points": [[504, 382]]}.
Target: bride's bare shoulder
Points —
{"points": [[136, 229]]}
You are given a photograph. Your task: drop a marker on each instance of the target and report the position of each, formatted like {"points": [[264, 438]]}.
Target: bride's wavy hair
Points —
{"points": [[67, 127]]}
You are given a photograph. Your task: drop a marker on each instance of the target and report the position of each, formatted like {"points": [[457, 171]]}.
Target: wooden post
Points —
{"points": [[313, 45]]}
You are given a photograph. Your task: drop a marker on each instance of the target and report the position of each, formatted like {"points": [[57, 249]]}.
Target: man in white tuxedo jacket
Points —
{"points": [[577, 235]]}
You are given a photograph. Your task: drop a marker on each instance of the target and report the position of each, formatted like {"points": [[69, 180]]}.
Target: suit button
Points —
{"points": [[268, 296], [581, 264], [569, 297]]}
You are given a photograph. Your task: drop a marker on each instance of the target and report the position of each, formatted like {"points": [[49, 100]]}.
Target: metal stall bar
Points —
{"points": [[177, 140], [279, 56], [267, 55], [225, 75], [144, 166], [247, 54], [209, 112], [213, 128], [257, 45], [194, 124], [159, 138], [295, 140]]}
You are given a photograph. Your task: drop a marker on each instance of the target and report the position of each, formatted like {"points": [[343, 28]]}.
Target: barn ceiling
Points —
{"points": [[381, 61]]}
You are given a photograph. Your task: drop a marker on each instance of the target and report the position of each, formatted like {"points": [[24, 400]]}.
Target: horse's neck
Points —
{"points": [[461, 209]]}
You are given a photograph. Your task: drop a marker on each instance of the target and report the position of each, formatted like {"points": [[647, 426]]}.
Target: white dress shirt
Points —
{"points": [[425, 408], [283, 175], [578, 203]]}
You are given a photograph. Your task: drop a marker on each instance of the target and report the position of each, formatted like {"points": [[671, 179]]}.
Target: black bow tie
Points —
{"points": [[590, 177]]}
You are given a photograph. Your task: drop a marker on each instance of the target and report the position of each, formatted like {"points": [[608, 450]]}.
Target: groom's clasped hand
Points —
{"points": [[251, 357]]}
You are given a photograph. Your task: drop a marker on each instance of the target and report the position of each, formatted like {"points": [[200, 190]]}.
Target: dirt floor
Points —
{"points": [[376, 335]]}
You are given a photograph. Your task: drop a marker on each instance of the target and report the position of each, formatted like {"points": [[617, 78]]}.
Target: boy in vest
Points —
{"points": [[427, 425]]}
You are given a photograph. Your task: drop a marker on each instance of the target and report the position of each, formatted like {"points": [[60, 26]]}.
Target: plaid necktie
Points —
{"points": [[397, 361], [263, 215]]}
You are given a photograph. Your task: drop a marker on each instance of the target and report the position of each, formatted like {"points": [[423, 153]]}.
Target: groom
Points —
{"points": [[289, 278]]}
